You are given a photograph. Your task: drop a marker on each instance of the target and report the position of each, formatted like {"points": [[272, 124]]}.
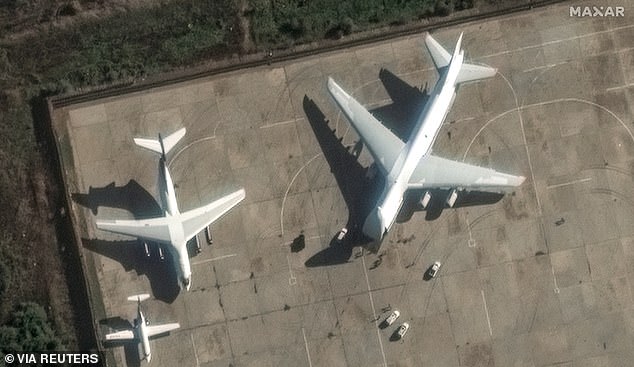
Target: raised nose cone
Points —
{"points": [[186, 283], [374, 226]]}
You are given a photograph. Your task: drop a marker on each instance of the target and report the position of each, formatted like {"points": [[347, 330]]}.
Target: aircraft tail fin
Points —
{"points": [[162, 145], [139, 297], [442, 58]]}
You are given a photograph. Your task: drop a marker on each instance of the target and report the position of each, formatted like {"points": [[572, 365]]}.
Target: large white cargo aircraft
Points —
{"points": [[142, 331], [411, 165], [175, 228]]}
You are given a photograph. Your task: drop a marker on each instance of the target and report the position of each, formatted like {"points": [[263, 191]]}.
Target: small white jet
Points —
{"points": [[142, 331], [175, 228], [411, 165]]}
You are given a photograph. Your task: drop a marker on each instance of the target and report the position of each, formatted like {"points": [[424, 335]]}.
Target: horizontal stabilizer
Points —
{"points": [[139, 297], [123, 335], [438, 53], [442, 58], [155, 145], [154, 330], [471, 72]]}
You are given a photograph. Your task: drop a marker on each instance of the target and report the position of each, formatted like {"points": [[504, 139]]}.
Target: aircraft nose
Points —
{"points": [[373, 226]]}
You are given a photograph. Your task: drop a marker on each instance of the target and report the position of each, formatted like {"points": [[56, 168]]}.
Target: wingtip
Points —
{"points": [[331, 83], [459, 43], [520, 180]]}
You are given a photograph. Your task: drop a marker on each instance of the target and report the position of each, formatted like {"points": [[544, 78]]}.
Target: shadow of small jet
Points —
{"points": [[131, 255]]}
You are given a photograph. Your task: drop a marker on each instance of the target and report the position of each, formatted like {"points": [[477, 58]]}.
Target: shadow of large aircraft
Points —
{"points": [[131, 197], [131, 254], [360, 193], [407, 104], [357, 190]]}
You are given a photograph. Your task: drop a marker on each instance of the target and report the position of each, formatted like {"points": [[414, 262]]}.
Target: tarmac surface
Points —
{"points": [[541, 277]]}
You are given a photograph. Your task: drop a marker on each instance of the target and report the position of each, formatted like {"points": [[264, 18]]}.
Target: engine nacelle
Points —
{"points": [[451, 199], [425, 199], [371, 172]]}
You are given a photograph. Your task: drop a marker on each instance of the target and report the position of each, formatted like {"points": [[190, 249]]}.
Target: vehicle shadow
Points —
{"points": [[131, 255], [394, 337], [383, 324]]}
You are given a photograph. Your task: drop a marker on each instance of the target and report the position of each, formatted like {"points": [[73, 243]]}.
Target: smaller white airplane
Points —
{"points": [[174, 228], [142, 331]]}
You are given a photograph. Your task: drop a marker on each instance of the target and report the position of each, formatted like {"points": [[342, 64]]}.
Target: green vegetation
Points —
{"points": [[128, 45], [28, 330], [279, 23]]}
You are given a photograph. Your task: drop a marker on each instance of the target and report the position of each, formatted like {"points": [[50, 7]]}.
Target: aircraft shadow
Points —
{"points": [[130, 349], [357, 190], [131, 197], [407, 104], [131, 255]]}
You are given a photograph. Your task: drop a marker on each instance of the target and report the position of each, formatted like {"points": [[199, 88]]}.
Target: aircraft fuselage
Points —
{"points": [[143, 336], [178, 245], [425, 132]]}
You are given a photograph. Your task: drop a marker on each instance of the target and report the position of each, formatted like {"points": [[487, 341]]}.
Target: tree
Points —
{"points": [[28, 330]]}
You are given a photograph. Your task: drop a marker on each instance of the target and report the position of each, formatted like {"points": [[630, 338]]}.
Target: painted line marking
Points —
{"points": [[558, 41], [194, 347], [376, 323], [279, 123], [471, 242], [528, 154], [310, 364], [214, 259], [292, 280], [552, 269], [486, 310], [620, 87], [569, 183], [545, 66]]}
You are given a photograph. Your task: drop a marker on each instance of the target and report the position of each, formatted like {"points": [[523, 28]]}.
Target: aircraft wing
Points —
{"points": [[122, 335], [155, 229], [153, 330], [197, 219], [383, 145], [439, 173]]}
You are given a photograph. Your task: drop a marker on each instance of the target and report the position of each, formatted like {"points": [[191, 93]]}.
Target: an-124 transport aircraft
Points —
{"points": [[142, 331], [411, 165], [174, 229]]}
